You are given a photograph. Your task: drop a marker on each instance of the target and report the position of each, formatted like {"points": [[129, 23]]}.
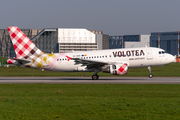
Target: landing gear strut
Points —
{"points": [[95, 76], [149, 69]]}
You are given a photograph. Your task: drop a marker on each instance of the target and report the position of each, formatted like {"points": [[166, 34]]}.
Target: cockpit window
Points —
{"points": [[162, 52]]}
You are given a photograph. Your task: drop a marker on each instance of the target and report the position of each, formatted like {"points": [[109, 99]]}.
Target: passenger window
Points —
{"points": [[86, 57], [142, 54], [57, 59], [94, 56], [89, 57], [109, 55], [97, 56], [65, 59], [102, 56], [62, 59], [106, 56]]}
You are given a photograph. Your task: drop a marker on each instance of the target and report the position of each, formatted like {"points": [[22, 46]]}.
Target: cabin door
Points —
{"points": [[149, 54]]}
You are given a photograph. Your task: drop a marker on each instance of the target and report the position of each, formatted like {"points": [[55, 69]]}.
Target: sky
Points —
{"points": [[113, 17]]}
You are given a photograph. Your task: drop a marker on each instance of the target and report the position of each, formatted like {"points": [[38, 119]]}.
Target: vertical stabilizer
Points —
{"points": [[23, 46]]}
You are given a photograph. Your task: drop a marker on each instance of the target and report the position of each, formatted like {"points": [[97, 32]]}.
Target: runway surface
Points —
{"points": [[88, 80]]}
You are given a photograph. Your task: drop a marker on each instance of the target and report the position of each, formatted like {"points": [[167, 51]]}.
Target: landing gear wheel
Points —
{"points": [[95, 77], [150, 75]]}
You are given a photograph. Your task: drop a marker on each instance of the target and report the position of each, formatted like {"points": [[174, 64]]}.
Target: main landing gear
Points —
{"points": [[95, 76], [149, 69]]}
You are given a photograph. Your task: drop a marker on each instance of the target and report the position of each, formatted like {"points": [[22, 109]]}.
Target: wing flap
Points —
{"points": [[89, 63]]}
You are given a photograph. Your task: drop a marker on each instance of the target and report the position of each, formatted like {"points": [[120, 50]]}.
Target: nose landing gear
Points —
{"points": [[149, 70]]}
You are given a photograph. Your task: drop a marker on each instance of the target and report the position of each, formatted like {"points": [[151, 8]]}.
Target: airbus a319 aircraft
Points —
{"points": [[114, 61]]}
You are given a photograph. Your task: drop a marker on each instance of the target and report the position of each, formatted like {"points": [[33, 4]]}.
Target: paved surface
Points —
{"points": [[88, 80]]}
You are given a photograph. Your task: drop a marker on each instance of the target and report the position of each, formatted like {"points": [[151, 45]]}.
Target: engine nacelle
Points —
{"points": [[117, 69]]}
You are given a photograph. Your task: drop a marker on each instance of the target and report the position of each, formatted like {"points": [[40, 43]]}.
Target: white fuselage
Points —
{"points": [[114, 61], [134, 57]]}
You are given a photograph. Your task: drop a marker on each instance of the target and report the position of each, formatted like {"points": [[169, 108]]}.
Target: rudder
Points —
{"points": [[23, 46]]}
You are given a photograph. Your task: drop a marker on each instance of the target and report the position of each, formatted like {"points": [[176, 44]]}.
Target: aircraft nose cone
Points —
{"points": [[172, 58]]}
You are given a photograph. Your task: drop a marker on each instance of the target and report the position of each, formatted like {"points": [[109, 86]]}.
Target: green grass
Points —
{"points": [[169, 70], [3, 60], [89, 102]]}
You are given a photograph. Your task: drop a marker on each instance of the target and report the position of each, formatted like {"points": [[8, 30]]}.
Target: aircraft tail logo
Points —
{"points": [[23, 46]]}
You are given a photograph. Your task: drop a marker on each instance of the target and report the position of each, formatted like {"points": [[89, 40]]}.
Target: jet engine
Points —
{"points": [[117, 69]]}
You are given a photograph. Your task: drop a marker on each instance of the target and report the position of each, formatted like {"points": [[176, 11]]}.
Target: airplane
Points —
{"points": [[114, 61]]}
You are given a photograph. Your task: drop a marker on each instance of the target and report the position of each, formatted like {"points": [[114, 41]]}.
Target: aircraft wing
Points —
{"points": [[90, 63]]}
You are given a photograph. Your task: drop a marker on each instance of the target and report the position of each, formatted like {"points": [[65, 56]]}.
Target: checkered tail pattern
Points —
{"points": [[24, 47]]}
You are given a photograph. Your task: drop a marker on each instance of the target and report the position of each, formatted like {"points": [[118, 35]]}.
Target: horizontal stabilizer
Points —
{"points": [[18, 62], [22, 61]]}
